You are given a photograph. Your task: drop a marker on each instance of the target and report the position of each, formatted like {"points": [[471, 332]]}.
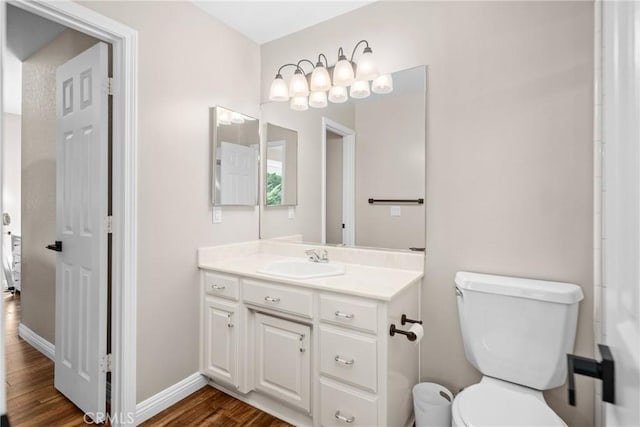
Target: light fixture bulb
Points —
{"points": [[382, 84], [279, 91], [299, 103], [360, 89], [366, 68], [343, 72], [320, 79], [318, 99], [338, 94], [298, 85]]}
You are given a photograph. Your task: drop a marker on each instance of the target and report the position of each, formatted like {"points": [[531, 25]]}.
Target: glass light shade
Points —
{"points": [[343, 73], [320, 79], [237, 118], [299, 103], [360, 89], [366, 68], [224, 117], [338, 94], [298, 85], [318, 99], [279, 91], [382, 84]]}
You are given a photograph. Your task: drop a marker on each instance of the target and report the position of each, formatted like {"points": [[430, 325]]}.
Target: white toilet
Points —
{"points": [[517, 332]]}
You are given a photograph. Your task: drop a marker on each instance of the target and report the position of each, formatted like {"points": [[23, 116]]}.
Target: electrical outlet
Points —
{"points": [[395, 211], [292, 212]]}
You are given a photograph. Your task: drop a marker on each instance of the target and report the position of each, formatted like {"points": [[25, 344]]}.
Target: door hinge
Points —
{"points": [[109, 224], [105, 363], [110, 86]]}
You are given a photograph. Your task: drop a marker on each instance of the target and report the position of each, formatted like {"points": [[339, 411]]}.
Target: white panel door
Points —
{"points": [[238, 174], [621, 206], [81, 211], [282, 360], [221, 343]]}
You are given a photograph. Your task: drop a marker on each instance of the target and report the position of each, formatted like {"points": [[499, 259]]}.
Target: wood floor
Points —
{"points": [[32, 399]]}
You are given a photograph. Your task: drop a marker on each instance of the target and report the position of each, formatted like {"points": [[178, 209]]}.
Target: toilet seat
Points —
{"points": [[490, 403]]}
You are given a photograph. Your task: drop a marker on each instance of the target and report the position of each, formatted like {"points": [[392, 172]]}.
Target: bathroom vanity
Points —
{"points": [[314, 350]]}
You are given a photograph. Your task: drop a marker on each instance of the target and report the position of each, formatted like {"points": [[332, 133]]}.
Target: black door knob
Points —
{"points": [[57, 246]]}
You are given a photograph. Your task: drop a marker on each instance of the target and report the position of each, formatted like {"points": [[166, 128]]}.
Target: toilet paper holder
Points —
{"points": [[411, 336]]}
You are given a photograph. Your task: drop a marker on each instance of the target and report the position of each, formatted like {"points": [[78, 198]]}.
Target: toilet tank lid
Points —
{"points": [[542, 290]]}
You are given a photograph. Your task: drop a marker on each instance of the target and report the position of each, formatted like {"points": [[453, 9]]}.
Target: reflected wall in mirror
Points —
{"points": [[373, 148], [235, 142], [281, 179]]}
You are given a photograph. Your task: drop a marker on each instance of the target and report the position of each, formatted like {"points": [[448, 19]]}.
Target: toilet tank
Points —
{"points": [[518, 330]]}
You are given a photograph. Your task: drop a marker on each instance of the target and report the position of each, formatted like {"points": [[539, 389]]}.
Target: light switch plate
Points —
{"points": [[395, 211], [217, 214], [292, 212]]}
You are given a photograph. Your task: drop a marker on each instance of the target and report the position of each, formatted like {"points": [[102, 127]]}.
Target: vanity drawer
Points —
{"points": [[348, 357], [277, 297], [221, 285], [341, 406], [351, 312]]}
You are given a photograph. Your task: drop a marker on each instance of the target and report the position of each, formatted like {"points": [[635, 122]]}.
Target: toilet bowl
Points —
{"points": [[517, 333], [493, 402]]}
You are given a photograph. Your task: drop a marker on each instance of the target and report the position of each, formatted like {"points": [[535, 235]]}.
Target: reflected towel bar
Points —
{"points": [[414, 201]]}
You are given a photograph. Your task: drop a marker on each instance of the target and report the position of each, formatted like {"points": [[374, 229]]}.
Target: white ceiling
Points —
{"points": [[263, 21]]}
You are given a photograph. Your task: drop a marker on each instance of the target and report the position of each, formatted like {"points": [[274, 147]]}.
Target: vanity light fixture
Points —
{"points": [[314, 89]]}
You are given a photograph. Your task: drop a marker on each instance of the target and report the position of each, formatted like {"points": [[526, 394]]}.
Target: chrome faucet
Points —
{"points": [[314, 256]]}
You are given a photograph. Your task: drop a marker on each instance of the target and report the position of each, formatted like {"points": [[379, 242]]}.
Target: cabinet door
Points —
{"points": [[283, 360], [220, 356]]}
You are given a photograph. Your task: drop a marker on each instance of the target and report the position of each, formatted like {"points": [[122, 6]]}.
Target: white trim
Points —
{"points": [[124, 42], [3, 382], [348, 180], [36, 341], [169, 396]]}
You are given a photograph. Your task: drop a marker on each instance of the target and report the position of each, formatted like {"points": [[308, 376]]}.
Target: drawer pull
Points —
{"points": [[272, 300], [343, 418], [343, 361], [342, 315], [217, 287]]}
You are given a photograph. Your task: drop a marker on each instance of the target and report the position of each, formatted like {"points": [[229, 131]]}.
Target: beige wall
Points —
{"points": [[334, 188], [307, 221], [188, 62], [390, 164], [11, 171], [509, 150], [39, 179]]}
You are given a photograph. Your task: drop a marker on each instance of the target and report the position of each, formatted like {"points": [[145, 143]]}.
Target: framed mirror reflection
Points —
{"points": [[281, 166], [235, 147]]}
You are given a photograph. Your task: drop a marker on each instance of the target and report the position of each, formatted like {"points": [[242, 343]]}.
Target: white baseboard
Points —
{"points": [[169, 396], [36, 341]]}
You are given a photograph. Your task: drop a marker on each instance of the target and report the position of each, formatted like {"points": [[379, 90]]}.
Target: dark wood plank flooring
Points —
{"points": [[32, 399]]}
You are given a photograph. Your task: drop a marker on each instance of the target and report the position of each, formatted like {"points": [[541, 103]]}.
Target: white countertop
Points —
{"points": [[381, 283]]}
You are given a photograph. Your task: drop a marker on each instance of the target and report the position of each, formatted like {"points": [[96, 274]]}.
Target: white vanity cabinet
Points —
{"points": [[310, 356]]}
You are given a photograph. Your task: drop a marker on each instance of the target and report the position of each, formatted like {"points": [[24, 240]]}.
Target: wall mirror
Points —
{"points": [[235, 141], [281, 167], [361, 164]]}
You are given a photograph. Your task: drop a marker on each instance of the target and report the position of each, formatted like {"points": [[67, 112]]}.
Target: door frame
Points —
{"points": [[348, 180], [124, 187]]}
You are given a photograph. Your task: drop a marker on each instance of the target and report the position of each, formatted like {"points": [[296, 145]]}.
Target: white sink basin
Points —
{"points": [[302, 269]]}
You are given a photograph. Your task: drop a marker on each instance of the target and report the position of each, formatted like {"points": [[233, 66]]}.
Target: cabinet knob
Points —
{"points": [[343, 418], [343, 361]]}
